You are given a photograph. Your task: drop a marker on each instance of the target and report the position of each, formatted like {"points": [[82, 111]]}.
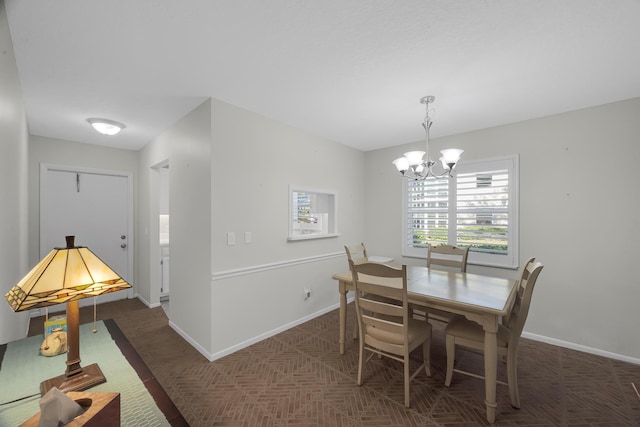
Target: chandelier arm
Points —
{"points": [[431, 173], [413, 174], [447, 172]]}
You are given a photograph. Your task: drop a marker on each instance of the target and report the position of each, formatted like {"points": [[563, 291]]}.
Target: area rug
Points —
{"points": [[23, 369]]}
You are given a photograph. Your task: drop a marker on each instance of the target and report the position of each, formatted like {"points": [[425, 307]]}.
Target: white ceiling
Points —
{"points": [[352, 71]]}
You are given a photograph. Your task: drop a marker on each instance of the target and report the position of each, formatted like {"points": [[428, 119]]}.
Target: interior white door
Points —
{"points": [[93, 207]]}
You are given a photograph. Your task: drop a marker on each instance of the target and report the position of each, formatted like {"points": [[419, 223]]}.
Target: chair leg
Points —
{"points": [[512, 376], [426, 355], [407, 375], [360, 362], [451, 355], [356, 326]]}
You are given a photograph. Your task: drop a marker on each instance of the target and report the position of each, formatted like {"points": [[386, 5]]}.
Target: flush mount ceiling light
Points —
{"points": [[106, 127], [417, 165]]}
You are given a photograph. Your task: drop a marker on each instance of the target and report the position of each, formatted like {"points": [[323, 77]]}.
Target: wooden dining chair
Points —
{"points": [[467, 333], [443, 257], [357, 253], [386, 328], [448, 257]]}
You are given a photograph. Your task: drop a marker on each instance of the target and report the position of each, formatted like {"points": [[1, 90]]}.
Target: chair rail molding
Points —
{"points": [[225, 274]]}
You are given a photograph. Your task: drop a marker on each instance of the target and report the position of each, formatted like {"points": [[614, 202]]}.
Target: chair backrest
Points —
{"points": [[383, 324], [451, 257], [357, 253], [520, 310], [524, 273]]}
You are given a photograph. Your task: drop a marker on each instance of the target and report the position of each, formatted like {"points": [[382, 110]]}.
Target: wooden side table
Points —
{"points": [[101, 409]]}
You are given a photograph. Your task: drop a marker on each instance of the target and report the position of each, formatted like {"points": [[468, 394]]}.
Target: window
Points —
{"points": [[478, 208], [312, 214]]}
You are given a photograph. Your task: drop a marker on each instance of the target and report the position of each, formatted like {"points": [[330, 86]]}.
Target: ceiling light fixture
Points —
{"points": [[417, 165], [106, 127]]}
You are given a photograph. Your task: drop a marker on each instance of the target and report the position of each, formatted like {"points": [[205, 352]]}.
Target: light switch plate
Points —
{"points": [[247, 237], [231, 238]]}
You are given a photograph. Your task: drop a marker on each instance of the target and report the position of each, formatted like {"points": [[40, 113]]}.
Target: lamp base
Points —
{"points": [[89, 376]]}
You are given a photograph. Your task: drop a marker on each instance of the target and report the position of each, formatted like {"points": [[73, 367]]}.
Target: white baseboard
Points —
{"points": [[582, 348], [211, 357], [191, 341], [271, 333], [147, 303], [214, 356]]}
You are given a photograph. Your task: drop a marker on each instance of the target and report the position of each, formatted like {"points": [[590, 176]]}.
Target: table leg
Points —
{"points": [[342, 288], [490, 366]]}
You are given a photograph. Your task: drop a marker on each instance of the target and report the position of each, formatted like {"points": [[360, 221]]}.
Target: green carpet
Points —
{"points": [[23, 369]]}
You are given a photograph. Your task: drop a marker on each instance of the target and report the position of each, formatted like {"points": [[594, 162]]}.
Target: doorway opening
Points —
{"points": [[164, 239]]}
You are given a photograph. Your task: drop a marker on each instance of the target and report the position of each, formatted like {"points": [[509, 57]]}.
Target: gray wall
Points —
{"points": [[229, 171], [13, 185], [257, 288], [579, 207], [186, 146], [255, 159]]}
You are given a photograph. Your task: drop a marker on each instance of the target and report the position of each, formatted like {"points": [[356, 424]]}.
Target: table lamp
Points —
{"points": [[67, 275]]}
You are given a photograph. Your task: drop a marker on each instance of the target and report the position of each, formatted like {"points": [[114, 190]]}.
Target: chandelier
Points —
{"points": [[417, 165]]}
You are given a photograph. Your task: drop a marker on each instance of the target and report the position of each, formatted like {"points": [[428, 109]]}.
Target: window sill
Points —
{"points": [[312, 236]]}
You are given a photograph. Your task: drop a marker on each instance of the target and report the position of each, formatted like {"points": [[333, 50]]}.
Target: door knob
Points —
{"points": [[123, 237], [124, 245]]}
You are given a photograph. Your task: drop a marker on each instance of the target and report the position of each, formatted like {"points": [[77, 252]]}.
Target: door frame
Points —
{"points": [[154, 233], [46, 167]]}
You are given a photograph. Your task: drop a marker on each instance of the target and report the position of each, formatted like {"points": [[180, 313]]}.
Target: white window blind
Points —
{"points": [[478, 208], [483, 211], [427, 221]]}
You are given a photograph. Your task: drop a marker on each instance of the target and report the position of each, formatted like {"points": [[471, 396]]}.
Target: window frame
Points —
{"points": [[509, 260], [323, 203]]}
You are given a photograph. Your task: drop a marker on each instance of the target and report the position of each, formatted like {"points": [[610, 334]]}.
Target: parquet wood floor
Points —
{"points": [[299, 378]]}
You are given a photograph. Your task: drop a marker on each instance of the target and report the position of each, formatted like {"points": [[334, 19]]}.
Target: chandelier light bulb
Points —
{"points": [[402, 164], [451, 156], [414, 157]]}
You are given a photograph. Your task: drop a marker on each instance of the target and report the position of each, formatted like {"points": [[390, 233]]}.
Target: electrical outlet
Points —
{"points": [[307, 293]]}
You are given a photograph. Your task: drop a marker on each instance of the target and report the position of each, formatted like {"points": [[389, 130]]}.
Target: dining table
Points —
{"points": [[482, 299]]}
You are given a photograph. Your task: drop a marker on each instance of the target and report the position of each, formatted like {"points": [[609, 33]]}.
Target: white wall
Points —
{"points": [[13, 186], [579, 215], [187, 147], [148, 222], [163, 193], [257, 288]]}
